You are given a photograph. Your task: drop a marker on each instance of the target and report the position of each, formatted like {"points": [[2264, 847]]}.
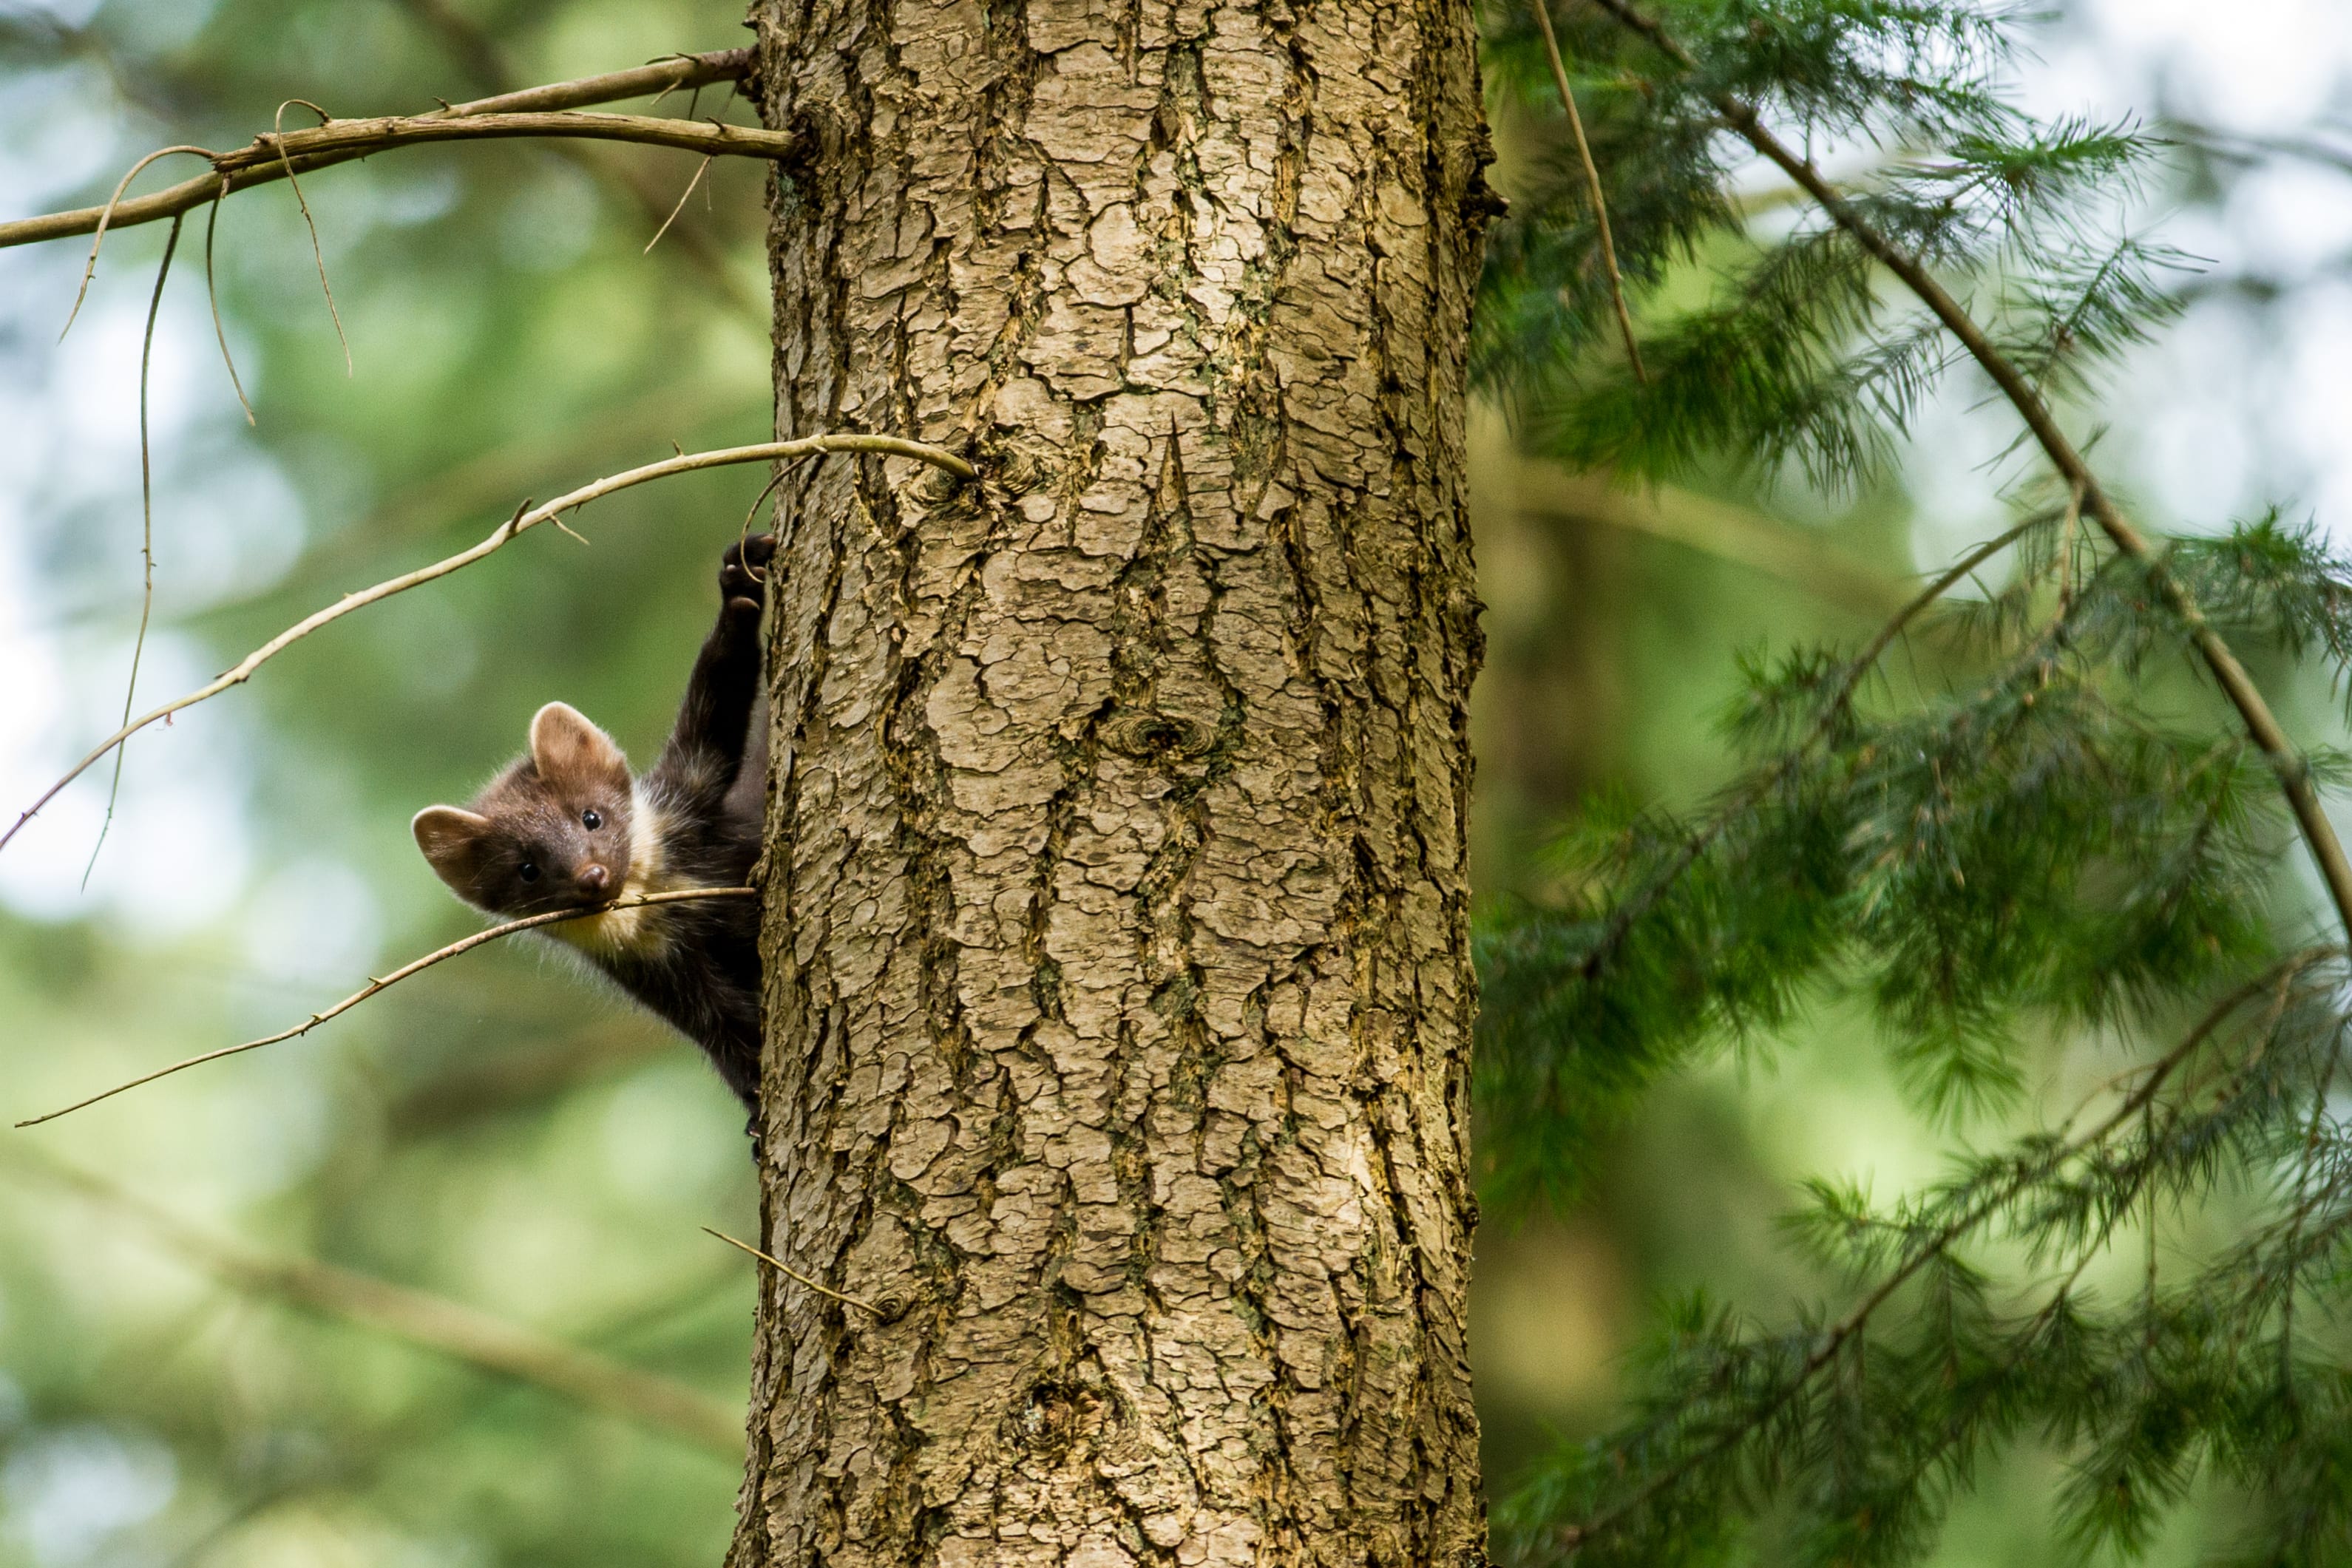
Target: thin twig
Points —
{"points": [[286, 161], [664, 92], [212, 298], [1542, 9], [105, 216], [146, 538], [414, 967], [774, 451], [792, 1273], [743, 535], [2066, 551], [535, 111], [2301, 1217], [2292, 770], [433, 1323], [699, 170], [661, 76]]}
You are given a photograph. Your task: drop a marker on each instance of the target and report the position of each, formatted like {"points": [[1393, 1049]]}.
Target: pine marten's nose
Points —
{"points": [[594, 881]]}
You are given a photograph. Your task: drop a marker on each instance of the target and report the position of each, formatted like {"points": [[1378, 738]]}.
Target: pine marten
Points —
{"points": [[567, 827]]}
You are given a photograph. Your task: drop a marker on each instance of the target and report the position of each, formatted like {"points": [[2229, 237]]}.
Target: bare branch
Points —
{"points": [[773, 451], [1592, 187], [341, 139], [482, 1088], [2292, 770], [432, 1323], [212, 299], [107, 214], [285, 164], [146, 536], [414, 967], [658, 77], [534, 112], [2241, 148]]}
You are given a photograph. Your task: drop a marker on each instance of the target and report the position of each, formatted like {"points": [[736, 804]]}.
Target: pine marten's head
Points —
{"points": [[551, 832]]}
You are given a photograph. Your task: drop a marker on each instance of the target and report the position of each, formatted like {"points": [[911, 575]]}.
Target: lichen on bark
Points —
{"points": [[1120, 997]]}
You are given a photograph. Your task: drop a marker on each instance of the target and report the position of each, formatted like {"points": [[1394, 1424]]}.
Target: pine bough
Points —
{"points": [[2071, 832]]}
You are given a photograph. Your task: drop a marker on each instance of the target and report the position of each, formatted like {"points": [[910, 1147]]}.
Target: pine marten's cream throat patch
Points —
{"points": [[639, 932]]}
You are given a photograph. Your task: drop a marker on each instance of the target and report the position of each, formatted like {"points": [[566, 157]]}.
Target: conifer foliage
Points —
{"points": [[2071, 828]]}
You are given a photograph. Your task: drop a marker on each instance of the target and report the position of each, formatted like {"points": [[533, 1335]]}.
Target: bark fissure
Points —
{"points": [[1120, 993]]}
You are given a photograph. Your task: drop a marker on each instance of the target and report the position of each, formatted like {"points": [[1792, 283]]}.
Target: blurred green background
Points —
{"points": [[501, 1135]]}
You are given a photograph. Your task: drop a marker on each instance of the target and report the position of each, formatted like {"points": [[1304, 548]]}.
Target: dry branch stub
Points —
{"points": [[1120, 993]]}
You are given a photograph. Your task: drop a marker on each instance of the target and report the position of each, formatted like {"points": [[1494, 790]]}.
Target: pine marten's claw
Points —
{"points": [[741, 574]]}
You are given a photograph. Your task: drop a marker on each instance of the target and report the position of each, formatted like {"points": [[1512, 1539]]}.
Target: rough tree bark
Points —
{"points": [[1120, 997]]}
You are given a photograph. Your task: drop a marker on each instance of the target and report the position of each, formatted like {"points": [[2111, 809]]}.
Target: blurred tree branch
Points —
{"points": [[479, 56], [1592, 186], [515, 1080], [34, 34], [430, 1322], [2239, 148], [363, 1455], [476, 52], [1735, 533]]}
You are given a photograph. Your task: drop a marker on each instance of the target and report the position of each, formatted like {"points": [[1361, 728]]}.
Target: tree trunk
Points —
{"points": [[1119, 995]]}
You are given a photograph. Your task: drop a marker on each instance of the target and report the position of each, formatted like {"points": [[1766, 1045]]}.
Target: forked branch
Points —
{"points": [[2294, 772], [522, 521], [414, 967], [540, 111]]}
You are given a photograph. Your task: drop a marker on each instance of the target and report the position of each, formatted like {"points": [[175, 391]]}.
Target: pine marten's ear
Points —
{"points": [[569, 751], [453, 840]]}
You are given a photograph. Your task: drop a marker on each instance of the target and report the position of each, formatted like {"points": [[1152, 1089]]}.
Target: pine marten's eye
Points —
{"points": [[529, 871], [593, 818]]}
